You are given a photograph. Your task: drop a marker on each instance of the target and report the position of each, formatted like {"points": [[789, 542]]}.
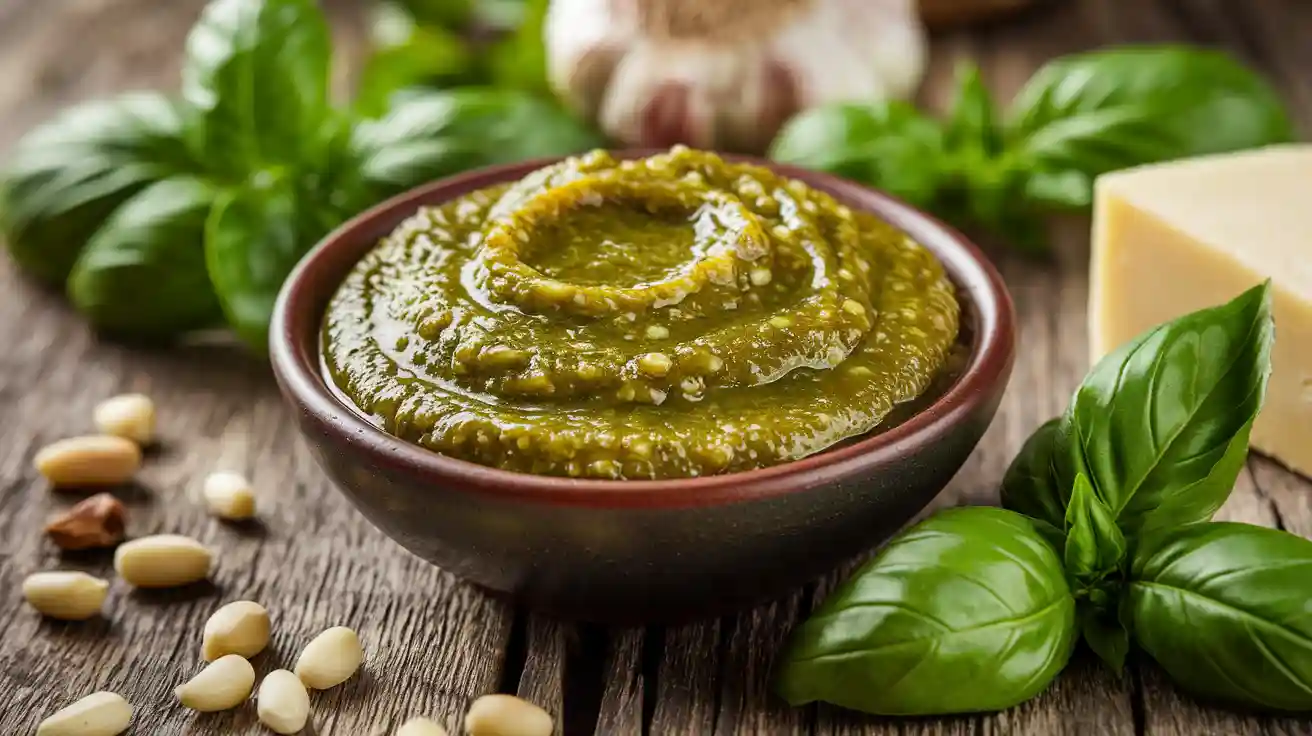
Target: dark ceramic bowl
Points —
{"points": [[642, 550]]}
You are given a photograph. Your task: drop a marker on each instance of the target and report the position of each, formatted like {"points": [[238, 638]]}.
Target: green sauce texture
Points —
{"points": [[664, 318]]}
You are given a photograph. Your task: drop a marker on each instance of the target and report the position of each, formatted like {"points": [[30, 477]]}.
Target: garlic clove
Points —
{"points": [[726, 75]]}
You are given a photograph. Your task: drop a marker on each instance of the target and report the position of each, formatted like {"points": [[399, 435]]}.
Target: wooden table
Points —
{"points": [[432, 642]]}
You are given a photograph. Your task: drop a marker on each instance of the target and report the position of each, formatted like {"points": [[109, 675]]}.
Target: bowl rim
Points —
{"points": [[295, 357]]}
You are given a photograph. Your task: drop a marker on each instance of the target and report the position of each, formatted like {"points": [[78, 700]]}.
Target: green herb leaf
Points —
{"points": [[256, 72], [972, 126], [1161, 426], [966, 611], [66, 177], [407, 55], [520, 62], [426, 136], [253, 239], [1087, 114], [452, 14], [1223, 608], [1033, 484], [888, 145], [1106, 637], [142, 275], [1095, 545]]}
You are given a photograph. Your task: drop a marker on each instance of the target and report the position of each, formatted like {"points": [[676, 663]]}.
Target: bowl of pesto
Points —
{"points": [[642, 385]]}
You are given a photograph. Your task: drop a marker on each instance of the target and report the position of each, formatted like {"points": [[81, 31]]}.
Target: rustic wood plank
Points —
{"points": [[747, 704], [621, 710], [686, 687], [542, 680]]}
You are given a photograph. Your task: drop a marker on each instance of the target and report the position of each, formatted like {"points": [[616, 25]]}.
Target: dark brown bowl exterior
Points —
{"points": [[630, 551]]}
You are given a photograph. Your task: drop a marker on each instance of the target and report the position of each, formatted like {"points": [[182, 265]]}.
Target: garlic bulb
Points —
{"points": [[725, 74]]}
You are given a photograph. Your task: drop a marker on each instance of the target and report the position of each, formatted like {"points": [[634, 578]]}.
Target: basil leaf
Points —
{"points": [[1032, 484], [520, 62], [966, 611], [1106, 637], [142, 275], [888, 145], [407, 54], [1223, 608], [253, 239], [443, 13], [972, 125], [426, 136], [256, 72], [66, 177], [1161, 426], [1095, 545], [1086, 114]]}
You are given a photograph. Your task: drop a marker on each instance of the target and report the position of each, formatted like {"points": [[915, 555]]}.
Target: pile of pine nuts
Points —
{"points": [[235, 632]]}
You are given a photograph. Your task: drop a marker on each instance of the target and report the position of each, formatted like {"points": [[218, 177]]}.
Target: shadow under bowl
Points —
{"points": [[643, 550]]}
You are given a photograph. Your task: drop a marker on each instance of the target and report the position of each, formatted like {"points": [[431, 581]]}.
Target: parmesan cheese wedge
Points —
{"points": [[1172, 238]]}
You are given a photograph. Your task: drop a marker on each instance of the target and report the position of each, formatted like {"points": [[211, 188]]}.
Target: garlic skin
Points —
{"points": [[726, 74]]}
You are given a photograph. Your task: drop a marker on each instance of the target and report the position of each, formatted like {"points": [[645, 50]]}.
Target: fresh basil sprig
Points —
{"points": [[1107, 521], [164, 216], [1079, 116], [1160, 426]]}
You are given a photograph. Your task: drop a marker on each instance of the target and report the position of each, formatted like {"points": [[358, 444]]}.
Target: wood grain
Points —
{"points": [[433, 643]]}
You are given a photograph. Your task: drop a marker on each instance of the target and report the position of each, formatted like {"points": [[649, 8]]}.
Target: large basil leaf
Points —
{"points": [[1224, 608], [1161, 425], [426, 136], [1086, 114], [67, 176], [888, 145], [256, 72], [966, 611], [253, 238], [143, 273]]}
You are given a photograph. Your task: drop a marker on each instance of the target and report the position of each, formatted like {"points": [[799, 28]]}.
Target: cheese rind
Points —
{"points": [[1173, 238]]}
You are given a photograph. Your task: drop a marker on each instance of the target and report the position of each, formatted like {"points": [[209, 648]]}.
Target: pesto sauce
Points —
{"points": [[670, 317]]}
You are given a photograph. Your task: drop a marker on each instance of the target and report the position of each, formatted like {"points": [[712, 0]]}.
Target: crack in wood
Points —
{"points": [[515, 656], [653, 652]]}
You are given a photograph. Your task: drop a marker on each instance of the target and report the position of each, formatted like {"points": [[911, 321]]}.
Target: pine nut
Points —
{"points": [[330, 658], [283, 704], [162, 561], [506, 715], [130, 416], [240, 627], [421, 727], [229, 496], [92, 460], [98, 714], [223, 684], [65, 595]]}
